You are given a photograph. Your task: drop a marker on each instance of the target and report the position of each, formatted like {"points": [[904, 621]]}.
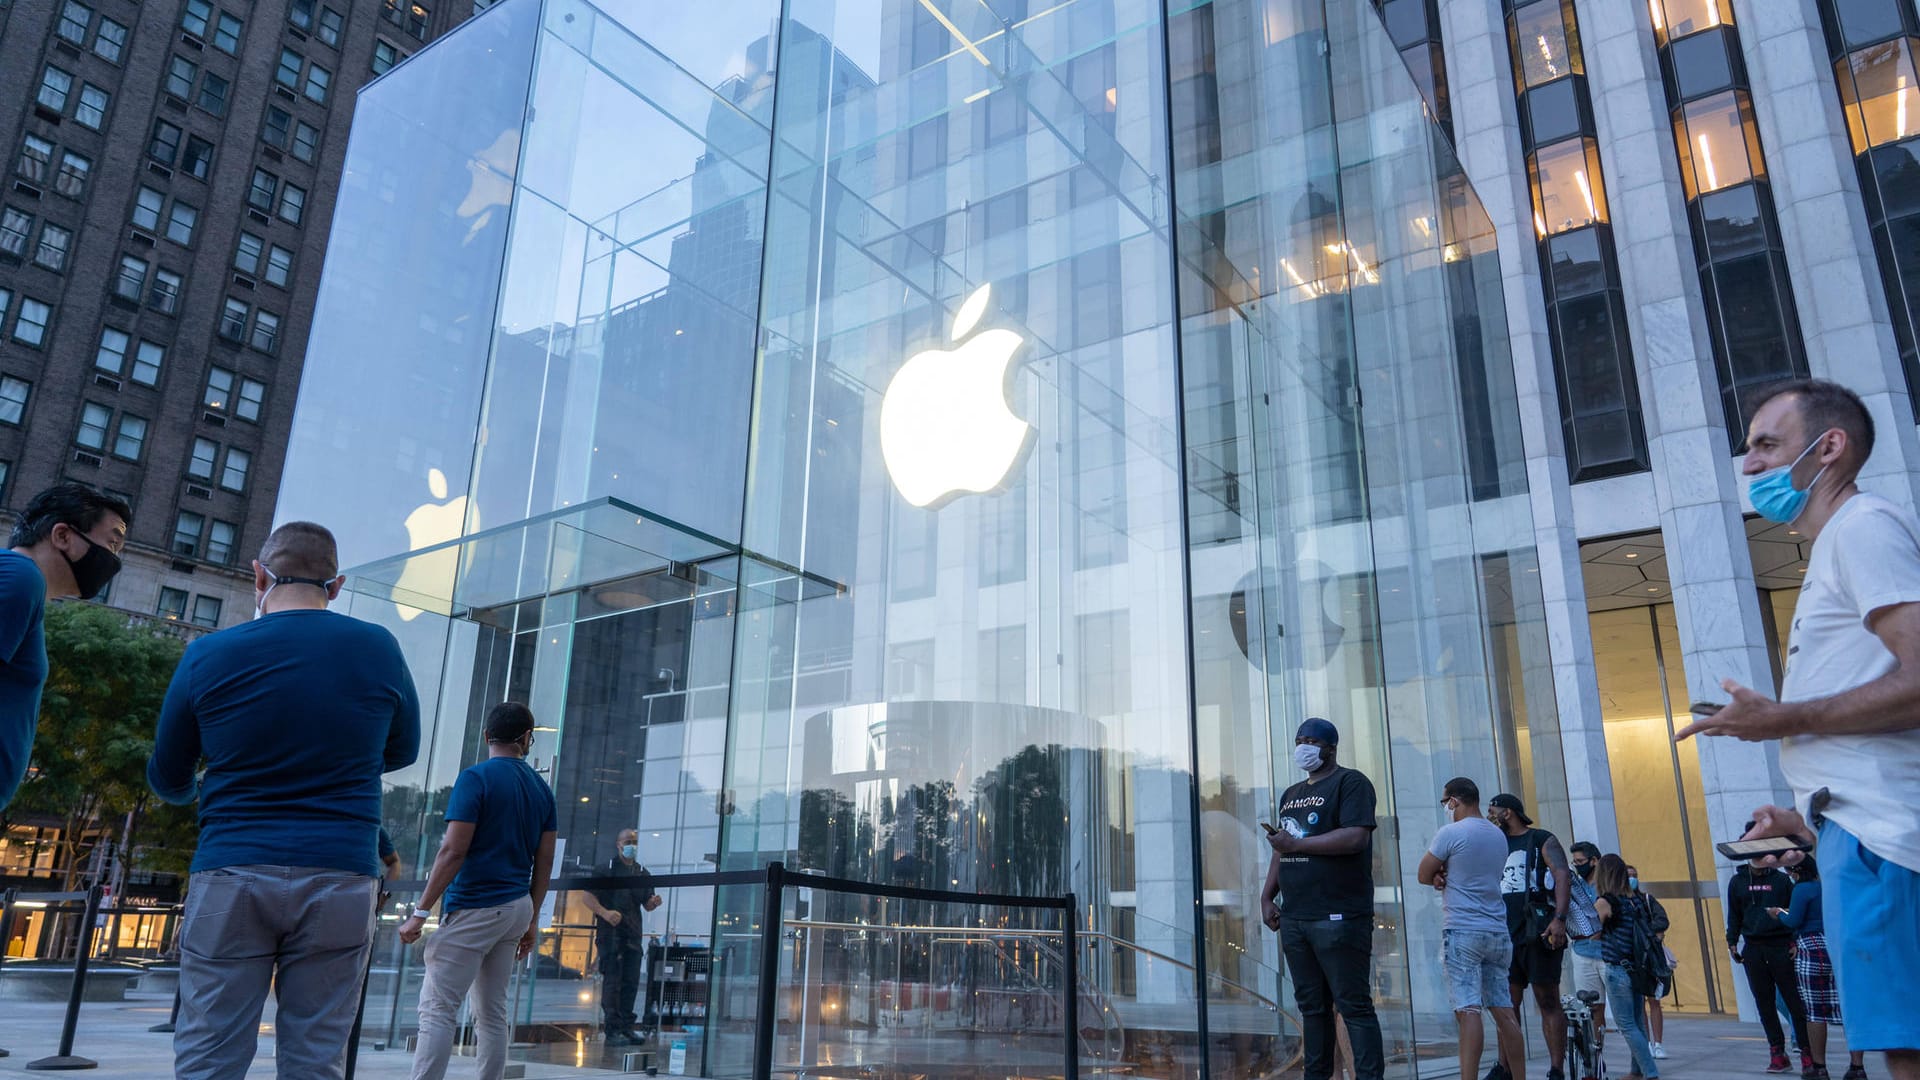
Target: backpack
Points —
{"points": [[1647, 965]]}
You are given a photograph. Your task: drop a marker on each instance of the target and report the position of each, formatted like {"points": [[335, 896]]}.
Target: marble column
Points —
{"points": [[1480, 81], [1697, 492]]}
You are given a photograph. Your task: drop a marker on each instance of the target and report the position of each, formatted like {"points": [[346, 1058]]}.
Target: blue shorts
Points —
{"points": [[1873, 936], [1476, 963]]}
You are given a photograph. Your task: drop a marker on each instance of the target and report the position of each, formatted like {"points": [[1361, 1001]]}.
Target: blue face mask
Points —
{"points": [[629, 852], [1633, 883], [1773, 494]]}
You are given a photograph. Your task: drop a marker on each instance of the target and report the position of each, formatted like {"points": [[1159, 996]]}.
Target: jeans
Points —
{"points": [[305, 932], [1476, 963], [472, 951], [622, 970], [1331, 961], [1769, 967], [1624, 1005]]}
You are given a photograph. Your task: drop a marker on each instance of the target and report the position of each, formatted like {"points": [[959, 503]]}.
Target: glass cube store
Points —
{"points": [[946, 443]]}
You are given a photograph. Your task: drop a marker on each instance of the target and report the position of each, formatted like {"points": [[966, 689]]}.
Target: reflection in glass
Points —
{"points": [[1546, 42], [1567, 190], [1678, 18], [1719, 143], [1880, 94]]}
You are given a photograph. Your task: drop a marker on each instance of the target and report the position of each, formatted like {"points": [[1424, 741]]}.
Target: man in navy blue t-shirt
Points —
{"points": [[296, 714], [493, 865], [66, 543]]}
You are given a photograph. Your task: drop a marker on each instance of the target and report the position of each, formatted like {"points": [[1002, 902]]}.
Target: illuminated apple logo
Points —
{"points": [[945, 426], [431, 523]]}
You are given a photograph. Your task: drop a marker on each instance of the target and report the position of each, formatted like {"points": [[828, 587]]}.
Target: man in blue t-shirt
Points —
{"points": [[493, 865], [297, 714], [66, 543]]}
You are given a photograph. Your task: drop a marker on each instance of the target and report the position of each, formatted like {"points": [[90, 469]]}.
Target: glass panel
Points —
{"points": [[1657, 782], [1678, 18], [1864, 21], [1880, 93], [1719, 143], [1567, 190], [416, 132], [1546, 42], [1553, 111], [631, 259], [1702, 63]]}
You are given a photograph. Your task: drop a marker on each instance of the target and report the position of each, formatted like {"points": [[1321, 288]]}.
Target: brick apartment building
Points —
{"points": [[170, 170]]}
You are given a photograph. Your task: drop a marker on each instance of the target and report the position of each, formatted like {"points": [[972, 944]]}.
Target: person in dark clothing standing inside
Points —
{"points": [[1767, 955], [1536, 884], [1322, 871], [621, 940]]}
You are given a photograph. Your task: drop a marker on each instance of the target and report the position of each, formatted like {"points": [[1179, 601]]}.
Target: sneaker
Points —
{"points": [[1807, 1067], [1659, 1051], [1556, 1074], [1778, 1063], [1498, 1072], [1856, 1072]]}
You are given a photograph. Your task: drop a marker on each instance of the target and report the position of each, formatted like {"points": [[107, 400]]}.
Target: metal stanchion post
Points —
{"points": [[1070, 946], [173, 1016], [6, 933], [65, 1059], [770, 928]]}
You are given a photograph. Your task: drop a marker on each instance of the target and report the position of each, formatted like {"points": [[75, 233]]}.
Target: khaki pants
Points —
{"points": [[472, 950]]}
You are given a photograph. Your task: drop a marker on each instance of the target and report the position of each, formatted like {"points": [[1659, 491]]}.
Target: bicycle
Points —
{"points": [[1583, 1043]]}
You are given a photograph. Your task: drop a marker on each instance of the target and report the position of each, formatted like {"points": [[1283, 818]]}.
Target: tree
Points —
{"points": [[108, 673]]}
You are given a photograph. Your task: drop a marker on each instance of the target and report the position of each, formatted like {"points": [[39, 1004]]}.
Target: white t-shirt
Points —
{"points": [[1867, 558]]}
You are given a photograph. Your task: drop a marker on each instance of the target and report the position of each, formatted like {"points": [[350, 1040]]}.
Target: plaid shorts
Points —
{"points": [[1814, 970]]}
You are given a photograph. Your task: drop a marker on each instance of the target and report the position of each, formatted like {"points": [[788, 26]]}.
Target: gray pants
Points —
{"points": [[303, 931], [472, 950]]}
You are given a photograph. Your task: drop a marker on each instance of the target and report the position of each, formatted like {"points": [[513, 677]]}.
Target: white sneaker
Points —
{"points": [[1659, 1052]]}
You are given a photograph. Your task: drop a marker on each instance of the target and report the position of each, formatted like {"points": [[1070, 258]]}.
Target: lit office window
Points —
{"points": [[1872, 46], [1593, 358]]}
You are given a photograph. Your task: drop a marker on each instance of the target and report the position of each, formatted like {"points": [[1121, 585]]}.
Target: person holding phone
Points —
{"points": [[1849, 708], [1813, 968], [1767, 955], [1319, 897]]}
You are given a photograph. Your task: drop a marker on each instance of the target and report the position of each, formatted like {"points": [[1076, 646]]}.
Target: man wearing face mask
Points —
{"points": [[620, 940], [1849, 709], [1539, 898], [66, 543], [296, 715], [1322, 873]]}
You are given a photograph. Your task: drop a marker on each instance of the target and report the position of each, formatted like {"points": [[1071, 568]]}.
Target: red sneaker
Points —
{"points": [[1779, 1063]]}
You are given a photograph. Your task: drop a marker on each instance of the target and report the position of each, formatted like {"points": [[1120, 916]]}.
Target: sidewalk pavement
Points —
{"points": [[115, 1034]]}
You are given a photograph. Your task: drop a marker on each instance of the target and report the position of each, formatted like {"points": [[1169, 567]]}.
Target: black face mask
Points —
{"points": [[92, 571], [1586, 871]]}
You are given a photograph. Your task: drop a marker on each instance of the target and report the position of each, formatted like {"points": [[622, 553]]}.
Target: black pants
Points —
{"points": [[1331, 962], [621, 972], [1769, 967]]}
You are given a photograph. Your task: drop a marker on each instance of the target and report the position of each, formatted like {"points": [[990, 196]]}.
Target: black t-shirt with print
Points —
{"points": [[1322, 886]]}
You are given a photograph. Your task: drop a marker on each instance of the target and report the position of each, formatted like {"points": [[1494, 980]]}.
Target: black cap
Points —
{"points": [[1313, 727], [1512, 802]]}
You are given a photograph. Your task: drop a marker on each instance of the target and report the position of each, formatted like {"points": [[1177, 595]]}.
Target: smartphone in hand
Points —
{"points": [[1704, 708], [1270, 829], [1746, 850]]}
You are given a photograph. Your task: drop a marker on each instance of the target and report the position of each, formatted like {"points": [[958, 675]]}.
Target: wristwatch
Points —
{"points": [[422, 913]]}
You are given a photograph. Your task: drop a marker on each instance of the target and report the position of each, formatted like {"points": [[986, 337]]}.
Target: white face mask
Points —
{"points": [[1307, 757]]}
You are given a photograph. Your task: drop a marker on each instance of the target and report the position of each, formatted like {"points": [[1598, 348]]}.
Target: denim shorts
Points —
{"points": [[1476, 962]]}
